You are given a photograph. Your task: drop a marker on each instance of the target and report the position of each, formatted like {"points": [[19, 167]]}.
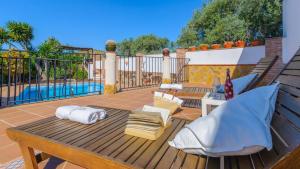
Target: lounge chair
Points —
{"points": [[262, 68], [104, 144]]}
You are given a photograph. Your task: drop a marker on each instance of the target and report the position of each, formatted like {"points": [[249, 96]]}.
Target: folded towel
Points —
{"points": [[85, 115], [178, 101], [165, 113], [63, 112], [168, 97]]}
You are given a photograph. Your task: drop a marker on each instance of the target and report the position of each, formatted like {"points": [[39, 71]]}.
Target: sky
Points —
{"points": [[89, 23]]}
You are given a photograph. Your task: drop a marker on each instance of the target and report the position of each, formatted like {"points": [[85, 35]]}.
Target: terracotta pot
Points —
{"points": [[240, 44], [256, 43], [216, 46], [228, 44], [193, 48], [203, 47]]}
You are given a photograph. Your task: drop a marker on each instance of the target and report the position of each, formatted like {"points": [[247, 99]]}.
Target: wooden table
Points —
{"points": [[211, 99], [101, 145]]}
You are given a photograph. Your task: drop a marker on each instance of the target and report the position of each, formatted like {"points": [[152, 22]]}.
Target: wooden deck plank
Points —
{"points": [[93, 144], [131, 149], [160, 153], [94, 134], [168, 158], [180, 158], [190, 162], [148, 154]]}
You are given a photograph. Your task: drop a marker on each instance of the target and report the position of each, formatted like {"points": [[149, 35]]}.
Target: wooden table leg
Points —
{"points": [[29, 157]]}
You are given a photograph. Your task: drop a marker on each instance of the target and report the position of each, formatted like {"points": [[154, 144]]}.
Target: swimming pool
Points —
{"points": [[51, 92]]}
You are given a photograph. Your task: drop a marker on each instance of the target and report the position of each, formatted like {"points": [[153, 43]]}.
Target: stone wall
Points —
{"points": [[205, 74]]}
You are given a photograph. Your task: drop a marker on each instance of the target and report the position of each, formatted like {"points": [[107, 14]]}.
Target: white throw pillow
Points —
{"points": [[238, 127], [239, 84]]}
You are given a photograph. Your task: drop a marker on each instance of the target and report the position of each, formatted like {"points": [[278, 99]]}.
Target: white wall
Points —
{"points": [[249, 55], [291, 28], [172, 55]]}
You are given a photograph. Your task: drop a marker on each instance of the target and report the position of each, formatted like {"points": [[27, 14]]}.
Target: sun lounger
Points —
{"points": [[104, 144], [262, 68]]}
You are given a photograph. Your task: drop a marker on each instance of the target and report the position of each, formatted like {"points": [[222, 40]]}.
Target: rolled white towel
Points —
{"points": [[63, 112], [85, 115], [101, 112]]}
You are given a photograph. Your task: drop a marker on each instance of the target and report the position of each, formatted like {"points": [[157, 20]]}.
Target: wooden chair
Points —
{"points": [[262, 68], [104, 144]]}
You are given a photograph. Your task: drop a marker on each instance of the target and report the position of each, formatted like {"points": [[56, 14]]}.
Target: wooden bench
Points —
{"points": [[104, 144]]}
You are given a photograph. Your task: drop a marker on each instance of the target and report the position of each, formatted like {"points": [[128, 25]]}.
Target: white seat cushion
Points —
{"points": [[237, 127]]}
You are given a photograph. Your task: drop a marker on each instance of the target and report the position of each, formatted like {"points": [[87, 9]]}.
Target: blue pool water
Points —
{"points": [[35, 93]]}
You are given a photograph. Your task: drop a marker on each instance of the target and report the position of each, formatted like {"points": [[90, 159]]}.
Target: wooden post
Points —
{"points": [[110, 68], [139, 69]]}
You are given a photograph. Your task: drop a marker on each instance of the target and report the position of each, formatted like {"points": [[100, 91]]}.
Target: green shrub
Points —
{"points": [[230, 28]]}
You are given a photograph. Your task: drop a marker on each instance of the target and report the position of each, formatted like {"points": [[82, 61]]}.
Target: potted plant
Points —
{"points": [[258, 40], [110, 46], [228, 44], [203, 46], [240, 43], [216, 46], [193, 48]]}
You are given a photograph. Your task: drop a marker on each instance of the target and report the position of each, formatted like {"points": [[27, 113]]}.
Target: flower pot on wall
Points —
{"points": [[228, 44], [203, 47], [240, 44], [110, 46], [216, 46], [193, 48], [256, 43]]}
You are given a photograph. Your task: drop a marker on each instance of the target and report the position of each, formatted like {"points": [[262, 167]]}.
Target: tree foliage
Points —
{"points": [[261, 17], [50, 48], [145, 44], [230, 28], [20, 33]]}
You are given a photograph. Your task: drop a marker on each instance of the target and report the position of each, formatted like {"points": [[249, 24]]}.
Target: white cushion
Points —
{"points": [[239, 84], [177, 86], [237, 127], [165, 86], [171, 86]]}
